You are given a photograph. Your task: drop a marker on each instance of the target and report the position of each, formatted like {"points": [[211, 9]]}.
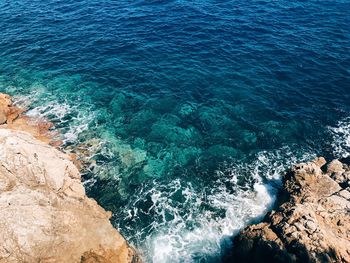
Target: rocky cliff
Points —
{"points": [[312, 222], [45, 214]]}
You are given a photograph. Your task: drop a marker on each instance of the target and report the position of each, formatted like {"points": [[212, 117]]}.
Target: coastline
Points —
{"points": [[311, 222], [46, 215]]}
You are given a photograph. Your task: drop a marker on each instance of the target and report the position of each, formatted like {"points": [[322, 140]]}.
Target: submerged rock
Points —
{"points": [[312, 224]]}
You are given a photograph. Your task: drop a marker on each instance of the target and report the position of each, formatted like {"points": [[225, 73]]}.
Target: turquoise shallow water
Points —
{"points": [[191, 110]]}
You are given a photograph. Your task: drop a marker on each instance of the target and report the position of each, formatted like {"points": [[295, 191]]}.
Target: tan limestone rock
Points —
{"points": [[312, 225], [11, 117], [45, 214]]}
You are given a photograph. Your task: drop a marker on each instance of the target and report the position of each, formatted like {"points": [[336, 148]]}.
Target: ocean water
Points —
{"points": [[190, 111]]}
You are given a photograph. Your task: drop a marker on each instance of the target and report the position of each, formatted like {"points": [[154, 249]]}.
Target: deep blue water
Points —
{"points": [[191, 110]]}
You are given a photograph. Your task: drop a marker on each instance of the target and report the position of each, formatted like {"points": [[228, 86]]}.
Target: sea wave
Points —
{"points": [[195, 225], [341, 138], [70, 120]]}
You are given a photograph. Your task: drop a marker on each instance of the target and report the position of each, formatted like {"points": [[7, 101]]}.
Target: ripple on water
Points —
{"points": [[190, 110]]}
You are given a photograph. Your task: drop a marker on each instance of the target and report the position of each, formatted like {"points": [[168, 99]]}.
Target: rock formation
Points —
{"points": [[11, 117], [312, 224], [45, 214], [8, 112]]}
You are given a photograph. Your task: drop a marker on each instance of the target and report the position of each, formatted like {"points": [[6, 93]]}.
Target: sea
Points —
{"points": [[190, 111]]}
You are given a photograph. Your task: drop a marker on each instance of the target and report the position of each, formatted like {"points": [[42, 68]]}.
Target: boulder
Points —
{"points": [[8, 112], [312, 224], [45, 214]]}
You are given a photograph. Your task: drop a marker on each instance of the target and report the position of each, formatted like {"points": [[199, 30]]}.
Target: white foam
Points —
{"points": [[54, 109], [195, 231], [341, 138], [72, 120], [36, 93], [174, 242]]}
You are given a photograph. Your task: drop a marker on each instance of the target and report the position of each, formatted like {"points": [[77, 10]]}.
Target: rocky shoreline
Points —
{"points": [[45, 213], [47, 217], [312, 222]]}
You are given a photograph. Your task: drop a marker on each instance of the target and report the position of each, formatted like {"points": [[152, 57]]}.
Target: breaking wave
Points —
{"points": [[69, 120], [188, 223], [341, 138]]}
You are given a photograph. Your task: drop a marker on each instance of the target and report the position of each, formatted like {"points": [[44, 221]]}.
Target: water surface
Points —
{"points": [[192, 110]]}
